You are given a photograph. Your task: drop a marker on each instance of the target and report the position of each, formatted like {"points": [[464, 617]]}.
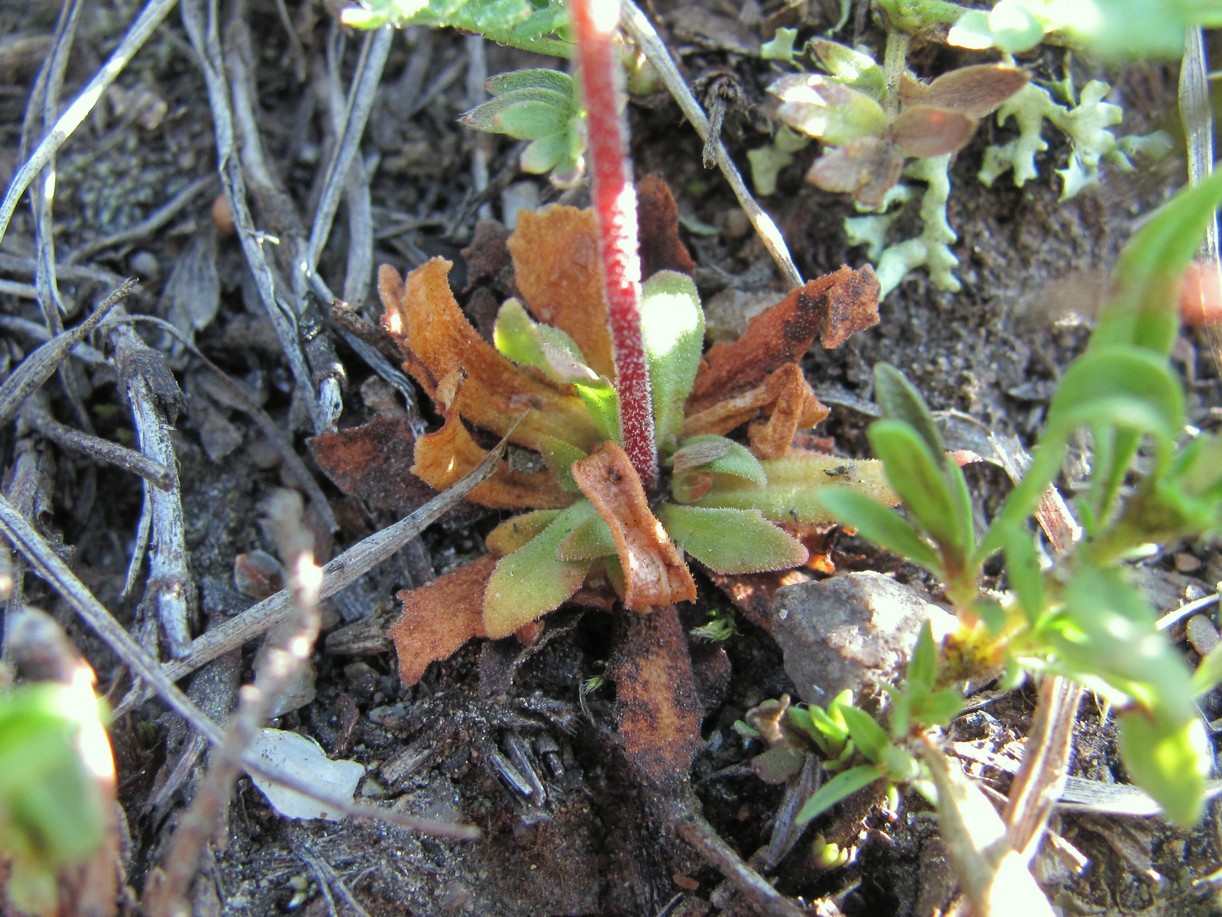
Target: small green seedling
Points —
{"points": [[1081, 618]]}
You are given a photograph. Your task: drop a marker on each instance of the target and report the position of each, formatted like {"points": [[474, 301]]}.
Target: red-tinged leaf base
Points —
{"points": [[656, 706]]}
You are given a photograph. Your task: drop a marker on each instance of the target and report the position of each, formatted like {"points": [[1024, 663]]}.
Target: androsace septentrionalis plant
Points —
{"points": [[604, 381]]}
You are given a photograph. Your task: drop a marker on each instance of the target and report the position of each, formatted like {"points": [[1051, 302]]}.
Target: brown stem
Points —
{"points": [[614, 195]]}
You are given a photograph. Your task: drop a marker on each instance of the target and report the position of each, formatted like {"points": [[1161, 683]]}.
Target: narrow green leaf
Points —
{"points": [[923, 666], [840, 787], [1121, 385], [879, 524], [900, 400], [1209, 673], [794, 485], [870, 738], [533, 580], [537, 78], [731, 540], [672, 326], [1026, 579], [917, 477], [1143, 310], [525, 114]]}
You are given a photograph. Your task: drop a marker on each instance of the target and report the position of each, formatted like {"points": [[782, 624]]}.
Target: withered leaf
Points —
{"points": [[925, 131], [449, 454], [438, 341], [867, 169], [795, 407], [975, 91], [373, 462], [658, 216], [555, 256], [438, 618], [654, 573], [831, 307], [656, 705]]}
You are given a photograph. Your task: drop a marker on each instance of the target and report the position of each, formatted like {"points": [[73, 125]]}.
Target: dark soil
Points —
{"points": [[594, 841]]}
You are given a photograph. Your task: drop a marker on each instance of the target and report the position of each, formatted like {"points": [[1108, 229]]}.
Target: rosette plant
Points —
{"points": [[632, 450]]}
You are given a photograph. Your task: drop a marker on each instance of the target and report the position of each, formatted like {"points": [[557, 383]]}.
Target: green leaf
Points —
{"points": [[534, 580], [850, 67], [718, 455], [1168, 760], [840, 787], [900, 400], [1119, 385], [827, 109], [923, 666], [672, 326], [780, 47], [731, 540], [525, 114], [920, 480], [539, 26], [795, 483], [1209, 673], [870, 738], [588, 540], [777, 765], [1143, 311], [53, 811], [538, 78], [1026, 579], [879, 524]]}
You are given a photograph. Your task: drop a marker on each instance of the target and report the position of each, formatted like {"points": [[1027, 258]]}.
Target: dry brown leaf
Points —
{"points": [[373, 462], [440, 617], [658, 216], [831, 307], [555, 257], [794, 407], [437, 340], [657, 705], [786, 391], [926, 131], [449, 454], [654, 573]]}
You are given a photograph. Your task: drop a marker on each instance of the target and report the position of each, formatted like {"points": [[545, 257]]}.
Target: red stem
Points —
{"points": [[594, 22]]}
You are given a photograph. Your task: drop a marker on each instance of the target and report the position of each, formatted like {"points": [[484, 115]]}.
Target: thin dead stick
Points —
{"points": [[339, 574], [1196, 113], [641, 30], [48, 565], [682, 816], [202, 30], [296, 468], [1041, 778], [143, 27], [35, 413], [350, 126], [150, 389], [40, 365]]}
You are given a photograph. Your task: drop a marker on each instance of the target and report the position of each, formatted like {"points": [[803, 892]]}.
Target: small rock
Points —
{"points": [[1201, 634], [855, 631], [1187, 563]]}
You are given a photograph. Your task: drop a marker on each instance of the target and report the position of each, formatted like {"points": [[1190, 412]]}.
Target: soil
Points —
{"points": [[533, 761]]}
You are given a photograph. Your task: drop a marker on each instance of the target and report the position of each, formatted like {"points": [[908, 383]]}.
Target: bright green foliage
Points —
{"points": [[544, 107], [52, 812], [1082, 618], [540, 26], [1111, 28]]}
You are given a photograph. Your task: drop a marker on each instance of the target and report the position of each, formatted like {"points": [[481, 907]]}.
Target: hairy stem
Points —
{"points": [[615, 205]]}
